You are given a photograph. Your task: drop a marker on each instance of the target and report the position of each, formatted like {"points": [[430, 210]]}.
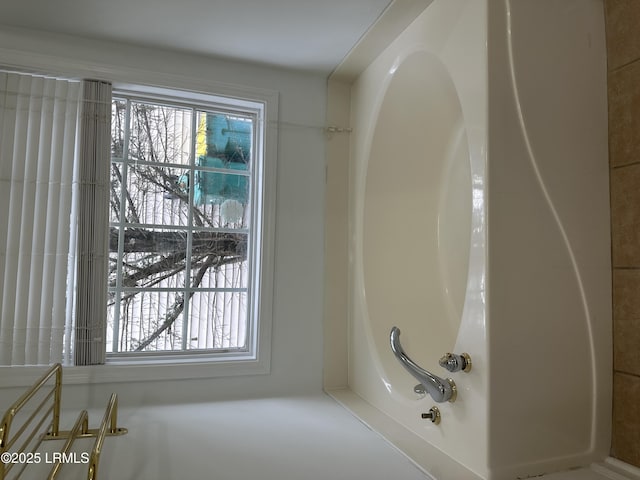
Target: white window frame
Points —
{"points": [[256, 359], [255, 111]]}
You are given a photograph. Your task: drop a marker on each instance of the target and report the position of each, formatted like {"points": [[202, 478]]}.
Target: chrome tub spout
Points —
{"points": [[440, 389]]}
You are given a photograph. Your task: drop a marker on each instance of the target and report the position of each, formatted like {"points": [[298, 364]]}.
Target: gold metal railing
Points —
{"points": [[46, 396]]}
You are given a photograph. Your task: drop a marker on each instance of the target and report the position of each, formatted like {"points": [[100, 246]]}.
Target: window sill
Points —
{"points": [[120, 371]]}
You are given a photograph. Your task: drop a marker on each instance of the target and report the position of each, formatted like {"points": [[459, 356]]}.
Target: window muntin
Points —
{"points": [[183, 269]]}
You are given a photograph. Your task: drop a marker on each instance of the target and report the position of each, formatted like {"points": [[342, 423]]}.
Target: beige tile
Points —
{"points": [[625, 443], [626, 338], [624, 115], [626, 293], [625, 216], [623, 34], [626, 318]]}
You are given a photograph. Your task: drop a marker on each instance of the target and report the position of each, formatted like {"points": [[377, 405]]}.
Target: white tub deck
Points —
{"points": [[439, 466]]}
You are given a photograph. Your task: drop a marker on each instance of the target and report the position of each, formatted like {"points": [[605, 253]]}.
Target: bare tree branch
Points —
{"points": [[174, 312], [153, 241]]}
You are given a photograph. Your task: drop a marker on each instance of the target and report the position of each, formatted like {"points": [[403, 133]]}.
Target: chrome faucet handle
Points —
{"points": [[456, 363], [440, 389]]}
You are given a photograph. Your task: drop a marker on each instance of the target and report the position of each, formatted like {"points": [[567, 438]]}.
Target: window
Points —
{"points": [[183, 220], [186, 218]]}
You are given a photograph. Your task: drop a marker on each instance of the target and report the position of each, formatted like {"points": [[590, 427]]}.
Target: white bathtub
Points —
{"points": [[479, 223]]}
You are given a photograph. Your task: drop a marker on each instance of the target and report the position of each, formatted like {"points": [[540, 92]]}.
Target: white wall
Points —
{"points": [[296, 357]]}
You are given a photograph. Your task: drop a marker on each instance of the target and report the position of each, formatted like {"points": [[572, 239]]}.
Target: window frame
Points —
{"points": [[256, 358]]}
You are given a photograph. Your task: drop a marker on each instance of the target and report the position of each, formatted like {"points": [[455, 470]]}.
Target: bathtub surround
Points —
{"points": [[623, 49], [537, 293]]}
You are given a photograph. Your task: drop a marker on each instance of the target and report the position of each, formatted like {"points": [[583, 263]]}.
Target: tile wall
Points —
{"points": [[623, 49]]}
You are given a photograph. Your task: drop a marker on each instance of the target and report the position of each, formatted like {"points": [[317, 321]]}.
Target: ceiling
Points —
{"points": [[310, 35]]}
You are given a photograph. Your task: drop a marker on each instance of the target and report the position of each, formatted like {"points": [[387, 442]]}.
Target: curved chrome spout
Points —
{"points": [[440, 389]]}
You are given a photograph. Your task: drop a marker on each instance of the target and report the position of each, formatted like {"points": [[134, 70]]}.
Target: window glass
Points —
{"points": [[181, 237]]}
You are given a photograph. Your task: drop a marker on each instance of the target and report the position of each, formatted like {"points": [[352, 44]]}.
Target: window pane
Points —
{"points": [[148, 321], [218, 320], [160, 133], [118, 121], [180, 227], [152, 257], [226, 273], [116, 192], [217, 252], [226, 137], [157, 195], [227, 192]]}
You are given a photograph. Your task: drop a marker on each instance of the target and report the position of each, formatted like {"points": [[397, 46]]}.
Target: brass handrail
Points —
{"points": [[6, 441], [108, 427], [81, 425]]}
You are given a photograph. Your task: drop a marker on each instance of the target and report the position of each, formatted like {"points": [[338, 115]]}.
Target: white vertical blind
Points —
{"points": [[93, 223], [38, 124]]}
